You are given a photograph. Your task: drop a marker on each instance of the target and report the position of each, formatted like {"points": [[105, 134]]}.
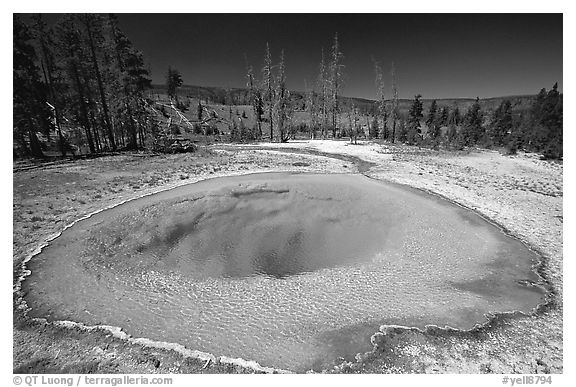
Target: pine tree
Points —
{"points": [[473, 130], [28, 109], [173, 82], [93, 83], [51, 77], [199, 111], [234, 132], [433, 129], [402, 131], [130, 76], [516, 138], [452, 133], [72, 55], [501, 124], [385, 133], [414, 117], [374, 128], [93, 25], [443, 117], [454, 120], [242, 132], [552, 121], [455, 117], [542, 128]]}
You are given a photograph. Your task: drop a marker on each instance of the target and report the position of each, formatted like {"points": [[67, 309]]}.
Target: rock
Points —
{"points": [[390, 330], [377, 339], [97, 351]]}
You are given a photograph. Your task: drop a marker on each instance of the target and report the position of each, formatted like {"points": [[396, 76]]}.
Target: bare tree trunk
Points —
{"points": [[35, 148], [271, 125], [132, 136], [96, 134], [100, 84], [83, 110]]}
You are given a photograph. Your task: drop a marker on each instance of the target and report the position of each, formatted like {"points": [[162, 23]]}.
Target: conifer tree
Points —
{"points": [[451, 134], [443, 117], [402, 131], [454, 117], [501, 124], [72, 56], [543, 131], [51, 75], [374, 129], [93, 25], [28, 109], [473, 130], [414, 117], [173, 82], [432, 122], [199, 111]]}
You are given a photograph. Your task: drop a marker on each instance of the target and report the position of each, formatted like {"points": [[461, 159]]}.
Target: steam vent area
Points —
{"points": [[294, 271]]}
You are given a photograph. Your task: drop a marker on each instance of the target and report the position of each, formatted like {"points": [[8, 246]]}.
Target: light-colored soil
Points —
{"points": [[521, 193]]}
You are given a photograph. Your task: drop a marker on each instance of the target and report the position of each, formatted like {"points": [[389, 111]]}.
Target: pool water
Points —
{"points": [[294, 271]]}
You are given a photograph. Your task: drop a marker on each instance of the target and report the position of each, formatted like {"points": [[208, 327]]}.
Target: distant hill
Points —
{"points": [[520, 103], [239, 96]]}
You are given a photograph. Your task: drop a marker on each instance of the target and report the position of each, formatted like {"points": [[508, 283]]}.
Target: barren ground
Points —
{"points": [[521, 193]]}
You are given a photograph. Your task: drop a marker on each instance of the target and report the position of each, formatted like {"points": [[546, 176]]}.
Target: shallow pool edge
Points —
{"points": [[118, 332]]}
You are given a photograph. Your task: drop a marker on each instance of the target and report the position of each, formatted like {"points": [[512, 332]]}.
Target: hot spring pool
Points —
{"points": [[291, 270]]}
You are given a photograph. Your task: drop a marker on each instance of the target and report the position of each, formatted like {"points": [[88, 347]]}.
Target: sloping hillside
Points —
{"points": [[239, 96]]}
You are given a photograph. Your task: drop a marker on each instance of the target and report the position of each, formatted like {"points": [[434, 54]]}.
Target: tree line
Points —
{"points": [[81, 79], [537, 130], [273, 104]]}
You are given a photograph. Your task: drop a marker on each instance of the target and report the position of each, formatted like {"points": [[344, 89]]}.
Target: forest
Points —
{"points": [[81, 87]]}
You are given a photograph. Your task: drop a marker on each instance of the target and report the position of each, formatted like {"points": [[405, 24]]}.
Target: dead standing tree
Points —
{"points": [[268, 87], [49, 69], [94, 41], [336, 80], [173, 82], [255, 97], [354, 124], [322, 85], [394, 111], [311, 109], [380, 94], [282, 105]]}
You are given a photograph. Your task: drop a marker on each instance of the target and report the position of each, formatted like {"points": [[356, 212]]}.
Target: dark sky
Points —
{"points": [[436, 55]]}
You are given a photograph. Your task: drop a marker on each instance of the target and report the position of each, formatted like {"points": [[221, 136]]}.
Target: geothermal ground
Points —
{"points": [[520, 193]]}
